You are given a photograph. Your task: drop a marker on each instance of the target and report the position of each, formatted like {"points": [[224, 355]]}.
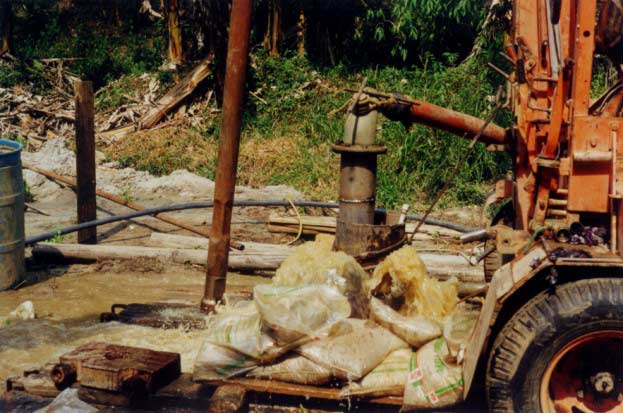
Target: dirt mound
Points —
{"points": [[140, 186]]}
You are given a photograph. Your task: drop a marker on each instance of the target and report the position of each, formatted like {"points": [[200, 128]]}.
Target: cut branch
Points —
{"points": [[173, 98]]}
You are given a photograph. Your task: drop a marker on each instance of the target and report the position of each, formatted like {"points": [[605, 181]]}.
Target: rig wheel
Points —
{"points": [[562, 352]]}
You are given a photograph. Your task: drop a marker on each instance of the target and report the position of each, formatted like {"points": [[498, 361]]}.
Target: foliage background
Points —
{"points": [[423, 48]]}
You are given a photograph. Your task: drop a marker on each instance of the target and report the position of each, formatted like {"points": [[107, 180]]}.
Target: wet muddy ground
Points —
{"points": [[69, 305]]}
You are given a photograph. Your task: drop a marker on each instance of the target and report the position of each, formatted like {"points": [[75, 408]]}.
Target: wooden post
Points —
{"points": [[175, 33], [85, 160]]}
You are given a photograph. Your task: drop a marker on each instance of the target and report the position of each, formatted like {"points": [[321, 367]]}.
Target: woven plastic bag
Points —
{"points": [[415, 330], [68, 401], [294, 369], [216, 362], [434, 380], [387, 379], [459, 326], [240, 328], [317, 263], [293, 313], [401, 282], [353, 348]]}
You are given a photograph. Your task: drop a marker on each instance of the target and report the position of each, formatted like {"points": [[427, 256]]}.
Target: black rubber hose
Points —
{"points": [[210, 204]]}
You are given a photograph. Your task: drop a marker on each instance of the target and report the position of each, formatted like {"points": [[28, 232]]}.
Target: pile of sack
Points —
{"points": [[326, 321]]}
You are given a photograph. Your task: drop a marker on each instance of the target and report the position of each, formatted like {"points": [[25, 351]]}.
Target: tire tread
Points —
{"points": [[523, 329]]}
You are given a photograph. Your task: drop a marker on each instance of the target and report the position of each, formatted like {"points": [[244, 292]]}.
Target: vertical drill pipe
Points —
{"points": [[85, 160], [229, 143]]}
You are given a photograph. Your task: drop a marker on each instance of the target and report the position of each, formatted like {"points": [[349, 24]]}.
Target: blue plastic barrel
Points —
{"points": [[12, 268]]}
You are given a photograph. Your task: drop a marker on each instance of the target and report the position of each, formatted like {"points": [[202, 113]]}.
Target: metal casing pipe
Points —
{"points": [[12, 268], [229, 145], [357, 183], [358, 169], [455, 122], [357, 188]]}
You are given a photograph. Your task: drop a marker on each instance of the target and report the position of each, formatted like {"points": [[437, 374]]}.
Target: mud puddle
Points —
{"points": [[68, 309]]}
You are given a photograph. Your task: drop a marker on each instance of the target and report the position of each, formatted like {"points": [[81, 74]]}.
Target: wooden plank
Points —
{"points": [[290, 389], [477, 340], [327, 225], [85, 160]]}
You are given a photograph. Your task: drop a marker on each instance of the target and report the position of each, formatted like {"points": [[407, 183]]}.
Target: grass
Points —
{"points": [[288, 133], [263, 160]]}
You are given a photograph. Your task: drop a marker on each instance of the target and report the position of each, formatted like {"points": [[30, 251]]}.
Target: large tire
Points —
{"points": [[539, 330]]}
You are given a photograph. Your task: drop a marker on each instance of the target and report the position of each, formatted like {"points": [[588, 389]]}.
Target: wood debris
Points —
{"points": [[38, 116]]}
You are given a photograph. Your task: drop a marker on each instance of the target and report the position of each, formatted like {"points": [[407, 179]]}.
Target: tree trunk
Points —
{"points": [[175, 33], [269, 30], [238, 260], [300, 38], [5, 22], [275, 32]]}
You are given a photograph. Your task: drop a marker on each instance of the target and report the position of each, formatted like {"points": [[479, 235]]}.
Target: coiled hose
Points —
{"points": [[209, 204]]}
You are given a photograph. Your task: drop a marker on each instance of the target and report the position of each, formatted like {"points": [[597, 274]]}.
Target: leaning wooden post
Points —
{"points": [[85, 160], [229, 143]]}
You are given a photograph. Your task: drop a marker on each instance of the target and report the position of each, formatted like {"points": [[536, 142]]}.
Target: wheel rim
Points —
{"points": [[586, 376]]}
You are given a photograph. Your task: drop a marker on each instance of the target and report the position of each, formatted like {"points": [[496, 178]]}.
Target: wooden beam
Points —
{"points": [[326, 225], [255, 256], [290, 389]]}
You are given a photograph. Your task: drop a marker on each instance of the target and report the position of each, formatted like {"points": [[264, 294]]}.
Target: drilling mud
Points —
{"points": [[68, 308]]}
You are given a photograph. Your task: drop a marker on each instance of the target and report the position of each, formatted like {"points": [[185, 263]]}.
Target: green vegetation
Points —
{"points": [[28, 197], [107, 48], [287, 140], [415, 47], [418, 161], [58, 238], [431, 27]]}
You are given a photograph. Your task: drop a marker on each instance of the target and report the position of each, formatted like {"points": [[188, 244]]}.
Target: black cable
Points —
{"points": [[210, 204]]}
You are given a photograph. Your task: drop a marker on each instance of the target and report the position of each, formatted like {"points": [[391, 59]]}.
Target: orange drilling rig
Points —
{"points": [[550, 335]]}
